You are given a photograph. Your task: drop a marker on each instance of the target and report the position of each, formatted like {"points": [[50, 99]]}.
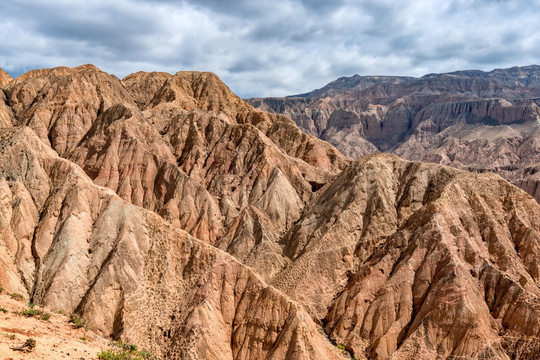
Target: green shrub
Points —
{"points": [[123, 351], [77, 321], [4, 310], [17, 297], [31, 312]]}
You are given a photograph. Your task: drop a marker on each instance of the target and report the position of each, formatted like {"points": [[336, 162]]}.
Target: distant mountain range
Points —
{"points": [[473, 120]]}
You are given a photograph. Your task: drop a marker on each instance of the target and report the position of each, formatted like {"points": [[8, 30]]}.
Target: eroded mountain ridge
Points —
{"points": [[172, 214], [472, 120]]}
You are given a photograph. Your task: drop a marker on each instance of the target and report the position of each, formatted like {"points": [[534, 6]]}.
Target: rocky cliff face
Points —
{"points": [[468, 119], [172, 214], [75, 246]]}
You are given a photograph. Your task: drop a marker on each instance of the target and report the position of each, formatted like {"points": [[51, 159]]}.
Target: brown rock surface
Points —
{"points": [[5, 78], [130, 273], [468, 119], [392, 259], [6, 115], [61, 104], [410, 260], [173, 156]]}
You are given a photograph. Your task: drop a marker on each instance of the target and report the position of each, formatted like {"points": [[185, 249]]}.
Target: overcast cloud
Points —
{"points": [[270, 48]]}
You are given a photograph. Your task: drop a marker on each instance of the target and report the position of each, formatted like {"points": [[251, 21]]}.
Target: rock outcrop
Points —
{"points": [[75, 246], [5, 78], [170, 213], [167, 143], [6, 116], [403, 260], [468, 119]]}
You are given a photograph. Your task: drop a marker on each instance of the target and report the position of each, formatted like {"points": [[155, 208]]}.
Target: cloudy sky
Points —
{"points": [[270, 47]]}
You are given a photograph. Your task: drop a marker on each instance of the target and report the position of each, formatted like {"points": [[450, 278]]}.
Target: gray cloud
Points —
{"points": [[264, 48]]}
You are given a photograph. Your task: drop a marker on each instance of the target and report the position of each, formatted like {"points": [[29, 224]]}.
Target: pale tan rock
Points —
{"points": [[143, 86], [401, 260], [5, 78], [133, 275], [61, 104], [393, 259], [185, 156], [6, 114]]}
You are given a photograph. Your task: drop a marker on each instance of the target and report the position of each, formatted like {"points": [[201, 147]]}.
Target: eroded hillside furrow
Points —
{"points": [[130, 273], [100, 179]]}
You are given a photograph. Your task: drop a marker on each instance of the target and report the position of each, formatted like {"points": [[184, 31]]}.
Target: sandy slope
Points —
{"points": [[55, 338]]}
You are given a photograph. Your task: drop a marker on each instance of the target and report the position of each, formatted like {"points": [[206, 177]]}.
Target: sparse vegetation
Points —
{"points": [[28, 346], [10, 336], [4, 310], [77, 321], [17, 296], [84, 338], [122, 351], [2, 289], [346, 352], [32, 311]]}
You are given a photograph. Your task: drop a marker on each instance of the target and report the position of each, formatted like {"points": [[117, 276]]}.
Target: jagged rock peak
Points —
{"points": [[472, 120], [61, 104], [200, 90], [75, 246], [57, 71], [143, 85], [5, 78]]}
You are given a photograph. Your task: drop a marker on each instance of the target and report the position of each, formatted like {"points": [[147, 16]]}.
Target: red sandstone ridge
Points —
{"points": [[170, 213]]}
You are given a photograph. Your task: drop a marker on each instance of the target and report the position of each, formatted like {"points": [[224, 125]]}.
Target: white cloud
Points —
{"points": [[270, 48]]}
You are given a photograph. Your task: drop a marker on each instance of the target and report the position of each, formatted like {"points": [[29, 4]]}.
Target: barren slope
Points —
{"points": [[393, 259], [73, 246], [55, 338], [411, 260], [183, 146]]}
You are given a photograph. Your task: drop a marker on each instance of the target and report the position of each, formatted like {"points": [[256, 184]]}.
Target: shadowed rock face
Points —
{"points": [[471, 120], [171, 214]]}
